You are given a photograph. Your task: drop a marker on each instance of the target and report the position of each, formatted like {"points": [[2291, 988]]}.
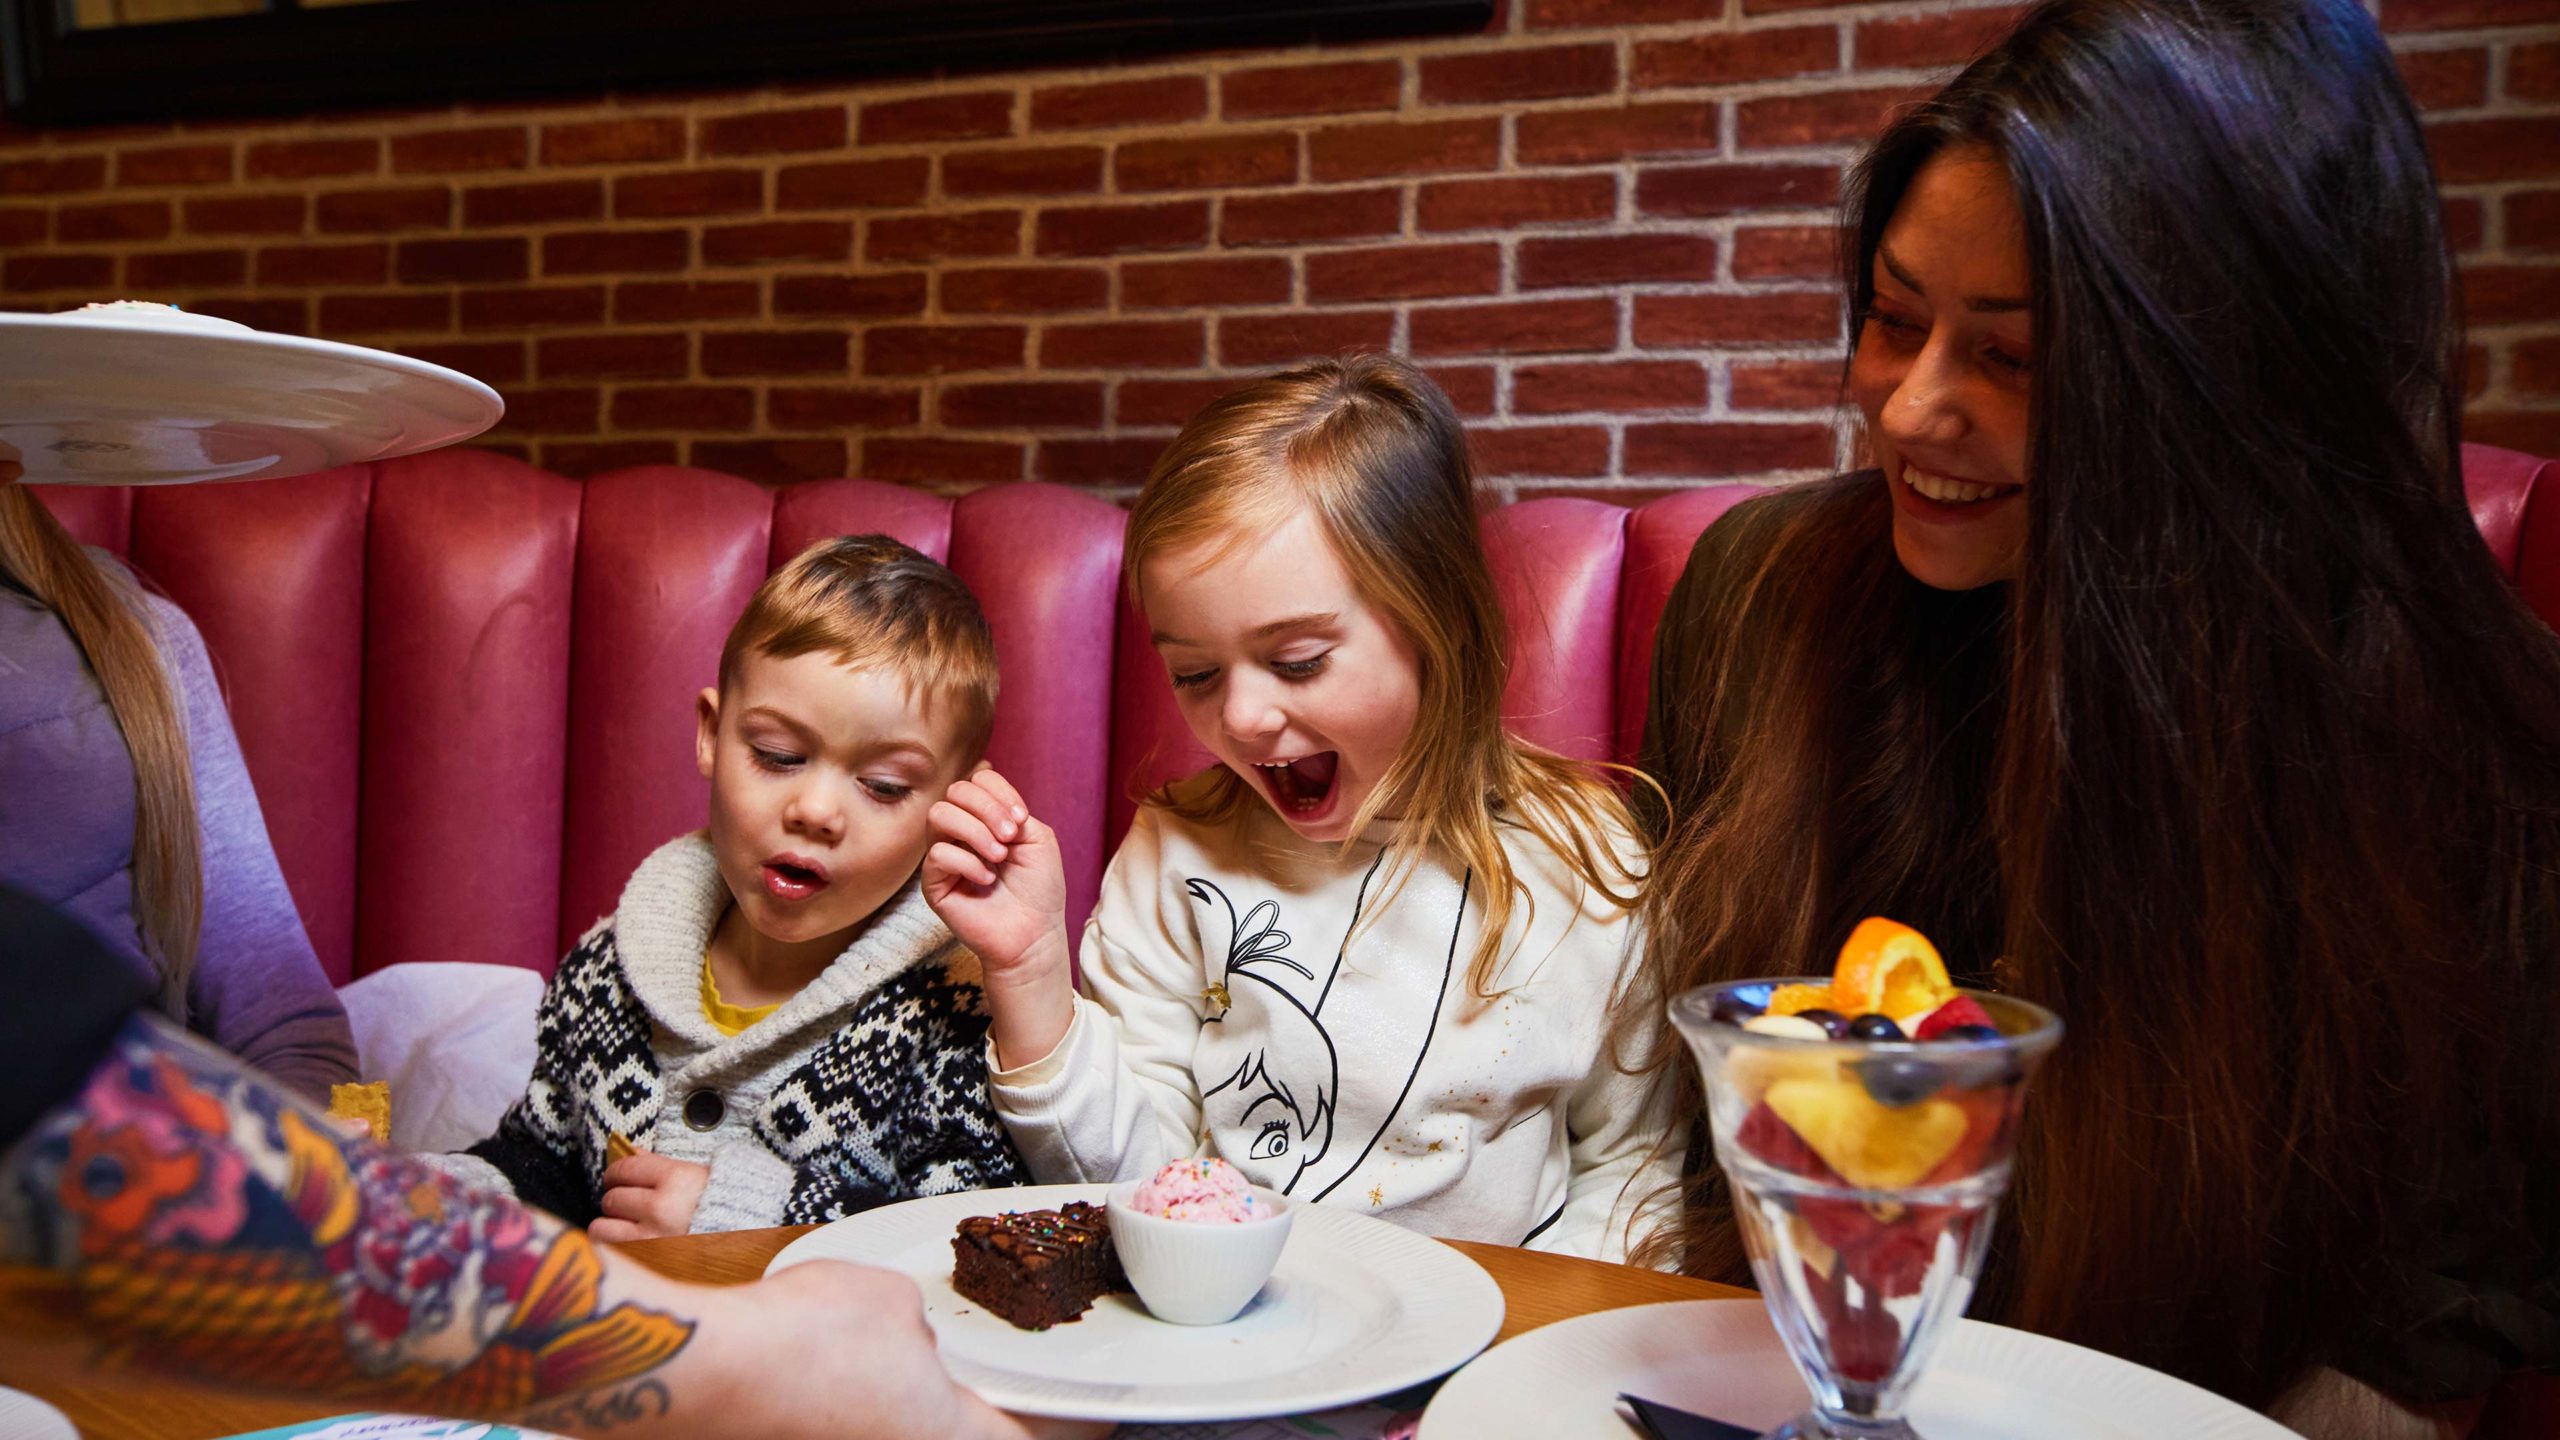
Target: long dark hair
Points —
{"points": [[2253, 774]]}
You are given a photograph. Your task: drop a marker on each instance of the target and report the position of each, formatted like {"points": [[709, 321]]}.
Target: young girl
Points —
{"points": [[1370, 958]]}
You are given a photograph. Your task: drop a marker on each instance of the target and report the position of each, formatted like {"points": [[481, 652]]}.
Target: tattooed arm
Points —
{"points": [[196, 1218]]}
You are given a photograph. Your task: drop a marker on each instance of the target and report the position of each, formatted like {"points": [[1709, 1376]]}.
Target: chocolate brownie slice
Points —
{"points": [[1038, 1268]]}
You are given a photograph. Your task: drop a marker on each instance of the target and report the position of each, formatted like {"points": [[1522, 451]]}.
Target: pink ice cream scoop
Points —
{"points": [[1210, 1192]]}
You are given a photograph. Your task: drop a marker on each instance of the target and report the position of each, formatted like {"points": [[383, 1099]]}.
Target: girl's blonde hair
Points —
{"points": [[1372, 449], [41, 558]]}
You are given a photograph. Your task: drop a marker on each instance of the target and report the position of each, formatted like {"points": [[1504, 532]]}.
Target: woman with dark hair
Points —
{"points": [[2159, 673]]}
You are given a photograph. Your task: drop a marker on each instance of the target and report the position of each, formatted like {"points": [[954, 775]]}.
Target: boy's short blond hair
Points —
{"points": [[869, 600]]}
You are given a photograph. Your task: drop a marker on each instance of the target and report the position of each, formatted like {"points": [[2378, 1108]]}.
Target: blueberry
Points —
{"points": [[1874, 1027], [1898, 1080], [1968, 1032], [1831, 1021], [1733, 1009]]}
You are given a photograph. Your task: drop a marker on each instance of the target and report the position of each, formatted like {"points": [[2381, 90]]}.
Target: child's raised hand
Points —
{"points": [[647, 1196], [996, 878]]}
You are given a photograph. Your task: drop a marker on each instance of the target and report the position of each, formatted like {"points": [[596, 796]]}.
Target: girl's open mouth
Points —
{"points": [[792, 880], [1303, 786]]}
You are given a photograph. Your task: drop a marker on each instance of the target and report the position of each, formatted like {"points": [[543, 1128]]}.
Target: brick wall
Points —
{"points": [[1601, 224]]}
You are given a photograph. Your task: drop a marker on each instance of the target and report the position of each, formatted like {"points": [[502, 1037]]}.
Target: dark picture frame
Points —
{"points": [[296, 60]]}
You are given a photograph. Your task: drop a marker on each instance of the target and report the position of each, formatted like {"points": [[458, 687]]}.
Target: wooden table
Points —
{"points": [[1536, 1289]]}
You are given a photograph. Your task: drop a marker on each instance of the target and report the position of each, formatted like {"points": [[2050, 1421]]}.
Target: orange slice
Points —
{"points": [[1888, 968], [1795, 999]]}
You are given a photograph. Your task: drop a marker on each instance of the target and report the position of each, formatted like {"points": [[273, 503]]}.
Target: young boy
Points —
{"points": [[772, 1028]]}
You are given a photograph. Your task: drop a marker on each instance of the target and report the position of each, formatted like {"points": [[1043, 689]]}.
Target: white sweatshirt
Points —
{"points": [[1232, 1010]]}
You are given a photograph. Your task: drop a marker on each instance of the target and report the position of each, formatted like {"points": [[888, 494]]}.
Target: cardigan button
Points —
{"points": [[703, 1109]]}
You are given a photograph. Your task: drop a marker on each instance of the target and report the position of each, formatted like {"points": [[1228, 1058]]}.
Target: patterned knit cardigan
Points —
{"points": [[867, 1087]]}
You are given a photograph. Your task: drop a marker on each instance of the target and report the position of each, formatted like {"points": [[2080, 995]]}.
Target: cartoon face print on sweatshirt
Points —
{"points": [[1313, 1042]]}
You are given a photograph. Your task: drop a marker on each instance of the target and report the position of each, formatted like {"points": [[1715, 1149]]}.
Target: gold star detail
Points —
{"points": [[1216, 996], [1377, 1196]]}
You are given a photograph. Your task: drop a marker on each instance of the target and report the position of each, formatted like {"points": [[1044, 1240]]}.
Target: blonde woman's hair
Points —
{"points": [[104, 614], [1371, 448]]}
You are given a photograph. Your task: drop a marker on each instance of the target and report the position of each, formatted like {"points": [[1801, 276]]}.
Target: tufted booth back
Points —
{"points": [[465, 685]]}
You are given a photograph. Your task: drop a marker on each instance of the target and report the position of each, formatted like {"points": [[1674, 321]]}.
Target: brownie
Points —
{"points": [[1038, 1268]]}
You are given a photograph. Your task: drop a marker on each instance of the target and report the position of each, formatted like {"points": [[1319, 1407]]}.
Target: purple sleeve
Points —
{"points": [[258, 990]]}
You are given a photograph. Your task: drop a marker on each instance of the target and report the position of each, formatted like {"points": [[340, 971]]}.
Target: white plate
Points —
{"points": [[141, 400], [1357, 1308], [1722, 1358], [24, 1417]]}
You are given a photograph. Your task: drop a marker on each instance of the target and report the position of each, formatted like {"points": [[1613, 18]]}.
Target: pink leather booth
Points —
{"points": [[464, 685]]}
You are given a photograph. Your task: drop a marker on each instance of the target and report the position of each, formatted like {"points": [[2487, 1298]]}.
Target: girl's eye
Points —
{"points": [[1306, 669], [887, 791], [775, 760], [1897, 327], [1193, 679], [2002, 359], [1273, 1142]]}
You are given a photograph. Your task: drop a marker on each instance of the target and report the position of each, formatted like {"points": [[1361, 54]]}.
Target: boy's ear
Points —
{"points": [[706, 730]]}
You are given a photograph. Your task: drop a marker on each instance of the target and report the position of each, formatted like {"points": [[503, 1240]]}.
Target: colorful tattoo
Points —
{"points": [[207, 1222]]}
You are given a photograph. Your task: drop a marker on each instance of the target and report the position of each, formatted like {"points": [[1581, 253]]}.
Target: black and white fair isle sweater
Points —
{"points": [[869, 1086]]}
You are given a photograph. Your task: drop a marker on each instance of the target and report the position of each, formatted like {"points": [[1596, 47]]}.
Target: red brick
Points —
{"points": [[2463, 14], [1167, 403], [469, 262], [537, 202], [1225, 281], [276, 316], [113, 220], [1277, 91], [773, 462], [673, 193], [1120, 229], [246, 215], [24, 225], [1490, 77], [2466, 222], [532, 307], [1667, 321], [1161, 100], [976, 116], [2475, 371], [1312, 215], [767, 241], [1023, 405], [1785, 252], [1725, 59], [853, 184], [59, 272], [371, 212], [596, 457], [775, 132], [1585, 137], [599, 252], [1056, 170], [2536, 367], [1024, 289], [2535, 432], [2533, 220], [448, 152], [1561, 14], [1539, 450], [1516, 201], [377, 314], [53, 175], [313, 159], [357, 264], [2507, 147], [1787, 385], [669, 302], [2446, 79], [1095, 462], [1124, 345], [1829, 118], [827, 407], [624, 355], [931, 349], [925, 461], [1620, 385], [908, 239], [1255, 341], [1403, 272], [174, 165], [498, 362], [1731, 449], [2533, 72], [684, 407], [1516, 327], [2510, 294], [1470, 388], [568, 410], [776, 352], [179, 269], [849, 297], [1217, 162], [1902, 42], [1371, 152], [628, 140], [1771, 7], [1546, 264], [1723, 189]]}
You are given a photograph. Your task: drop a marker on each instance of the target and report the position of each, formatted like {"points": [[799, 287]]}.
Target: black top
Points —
{"points": [[74, 994]]}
